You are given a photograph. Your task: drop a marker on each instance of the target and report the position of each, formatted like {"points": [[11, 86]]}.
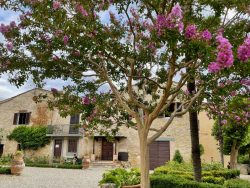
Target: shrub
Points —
{"points": [[5, 159], [5, 170], [236, 183], [212, 166], [214, 180], [227, 174], [163, 181], [244, 159], [37, 160], [177, 157], [30, 137], [121, 177], [65, 166]]}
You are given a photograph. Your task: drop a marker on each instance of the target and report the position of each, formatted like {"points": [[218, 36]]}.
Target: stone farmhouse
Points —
{"points": [[68, 140]]}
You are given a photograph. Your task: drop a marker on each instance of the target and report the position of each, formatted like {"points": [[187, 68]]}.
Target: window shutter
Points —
{"points": [[15, 118], [27, 119]]}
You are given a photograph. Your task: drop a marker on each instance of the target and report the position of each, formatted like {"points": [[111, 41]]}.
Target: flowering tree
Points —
{"points": [[234, 128], [145, 53]]}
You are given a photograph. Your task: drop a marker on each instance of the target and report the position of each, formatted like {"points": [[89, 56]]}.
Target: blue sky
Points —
{"points": [[6, 89]]}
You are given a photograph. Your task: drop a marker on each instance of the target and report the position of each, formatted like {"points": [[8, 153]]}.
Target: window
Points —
{"points": [[171, 109], [22, 118], [72, 145], [74, 119]]}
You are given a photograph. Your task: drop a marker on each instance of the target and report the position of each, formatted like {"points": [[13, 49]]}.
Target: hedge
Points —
{"points": [[163, 181], [237, 183], [66, 166], [5, 170]]}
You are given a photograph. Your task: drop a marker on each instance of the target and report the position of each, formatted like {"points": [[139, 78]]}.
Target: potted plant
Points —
{"points": [[122, 178], [85, 162], [17, 163]]}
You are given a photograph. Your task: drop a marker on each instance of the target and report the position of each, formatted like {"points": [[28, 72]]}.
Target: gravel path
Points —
{"points": [[53, 178], [245, 177]]}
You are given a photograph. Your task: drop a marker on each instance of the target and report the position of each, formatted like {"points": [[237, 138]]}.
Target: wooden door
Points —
{"points": [[107, 150], [1, 149], [58, 148], [159, 154]]}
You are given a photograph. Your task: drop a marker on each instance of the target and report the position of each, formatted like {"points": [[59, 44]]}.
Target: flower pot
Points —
{"points": [[17, 165], [85, 163], [132, 186]]}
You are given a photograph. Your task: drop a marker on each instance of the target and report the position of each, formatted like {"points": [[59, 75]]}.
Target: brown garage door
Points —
{"points": [[159, 153]]}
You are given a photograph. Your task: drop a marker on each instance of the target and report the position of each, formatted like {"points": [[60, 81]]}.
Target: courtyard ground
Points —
{"points": [[52, 177]]}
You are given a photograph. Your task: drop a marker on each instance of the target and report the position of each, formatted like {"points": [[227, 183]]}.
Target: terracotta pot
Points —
{"points": [[85, 163], [17, 165], [132, 186]]}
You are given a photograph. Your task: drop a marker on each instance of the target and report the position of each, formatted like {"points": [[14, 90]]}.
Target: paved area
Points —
{"points": [[245, 177], [52, 177]]}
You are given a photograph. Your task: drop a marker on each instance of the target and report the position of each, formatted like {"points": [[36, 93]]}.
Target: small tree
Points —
{"points": [[30, 137], [177, 157]]}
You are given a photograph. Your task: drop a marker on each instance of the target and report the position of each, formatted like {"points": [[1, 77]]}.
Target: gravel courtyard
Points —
{"points": [[52, 177]]}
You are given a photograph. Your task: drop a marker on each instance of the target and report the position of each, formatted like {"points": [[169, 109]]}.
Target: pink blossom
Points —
{"points": [[224, 122], [221, 85], [245, 82], [229, 82], [171, 21], [4, 28], [65, 39], [244, 50], [206, 35], [9, 46], [77, 53], [233, 93], [214, 67], [237, 118], [86, 100], [190, 32], [13, 24], [58, 33], [79, 8], [56, 5]]}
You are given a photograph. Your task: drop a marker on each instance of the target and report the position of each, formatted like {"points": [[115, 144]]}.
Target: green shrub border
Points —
{"points": [[65, 166], [5, 170]]}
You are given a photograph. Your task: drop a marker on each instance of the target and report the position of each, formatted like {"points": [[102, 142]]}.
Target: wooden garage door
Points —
{"points": [[159, 153]]}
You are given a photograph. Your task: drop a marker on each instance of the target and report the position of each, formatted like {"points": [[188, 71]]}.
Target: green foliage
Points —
{"points": [[121, 177], [5, 159], [244, 159], [202, 150], [212, 173], [163, 181], [37, 160], [237, 183], [5, 170], [66, 166], [30, 137], [214, 180], [212, 166], [177, 157]]}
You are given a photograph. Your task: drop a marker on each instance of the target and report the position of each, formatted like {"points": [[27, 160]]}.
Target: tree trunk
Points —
{"points": [[194, 130], [221, 141], [234, 155], [144, 160]]}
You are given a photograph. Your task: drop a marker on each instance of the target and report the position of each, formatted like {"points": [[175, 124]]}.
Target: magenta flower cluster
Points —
{"points": [[7, 28], [79, 8], [171, 21], [56, 5], [244, 50], [86, 100], [206, 35], [65, 39], [224, 58], [191, 32]]}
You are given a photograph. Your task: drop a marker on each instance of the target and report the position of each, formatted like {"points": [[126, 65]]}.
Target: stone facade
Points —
{"points": [[178, 133]]}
